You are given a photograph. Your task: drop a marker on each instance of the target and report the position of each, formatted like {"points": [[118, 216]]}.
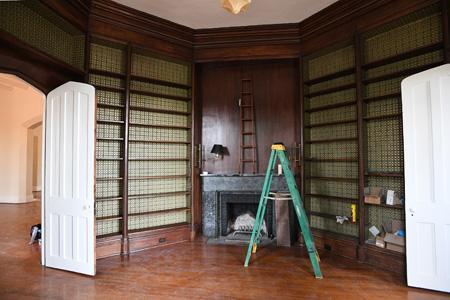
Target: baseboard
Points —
{"points": [[16, 200], [139, 241]]}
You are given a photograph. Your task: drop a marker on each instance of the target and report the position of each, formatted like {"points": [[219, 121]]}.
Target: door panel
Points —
{"points": [[426, 127], [69, 221]]}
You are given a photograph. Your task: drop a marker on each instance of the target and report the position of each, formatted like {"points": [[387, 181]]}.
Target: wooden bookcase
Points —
{"points": [[143, 144], [352, 124]]}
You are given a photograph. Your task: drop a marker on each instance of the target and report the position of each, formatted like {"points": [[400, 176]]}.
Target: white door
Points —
{"points": [[426, 129], [69, 175]]}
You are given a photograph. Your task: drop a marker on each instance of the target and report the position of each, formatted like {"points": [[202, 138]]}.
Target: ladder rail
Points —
{"points": [[278, 152]]}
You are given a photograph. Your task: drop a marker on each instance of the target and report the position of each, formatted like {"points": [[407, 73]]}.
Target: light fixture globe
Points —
{"points": [[236, 6]]}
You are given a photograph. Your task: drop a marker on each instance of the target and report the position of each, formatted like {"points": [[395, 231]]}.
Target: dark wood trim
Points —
{"points": [[125, 238], [331, 90], [162, 111], [344, 159], [382, 97], [145, 93], [331, 123], [160, 82], [331, 106], [384, 174], [383, 117], [337, 244], [336, 140], [446, 29], [302, 125], [332, 197], [76, 12], [360, 131], [331, 76], [402, 56], [159, 126], [337, 179]]}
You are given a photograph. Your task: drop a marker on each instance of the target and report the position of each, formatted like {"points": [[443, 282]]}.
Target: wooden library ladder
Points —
{"points": [[248, 128]]}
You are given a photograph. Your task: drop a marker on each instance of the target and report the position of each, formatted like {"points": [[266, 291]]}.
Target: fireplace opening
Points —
{"points": [[238, 213]]}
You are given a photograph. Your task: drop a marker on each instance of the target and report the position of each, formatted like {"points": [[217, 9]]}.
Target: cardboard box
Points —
{"points": [[394, 242], [379, 242], [397, 225], [372, 195], [394, 247]]}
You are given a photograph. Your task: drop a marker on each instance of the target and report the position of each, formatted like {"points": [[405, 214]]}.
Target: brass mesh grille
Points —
{"points": [[34, 24]]}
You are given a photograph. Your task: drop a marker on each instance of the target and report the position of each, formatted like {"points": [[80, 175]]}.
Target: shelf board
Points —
{"points": [[330, 216], [105, 105], [164, 111], [331, 76], [385, 174], [165, 211], [108, 158], [173, 97], [331, 123], [403, 56], [331, 90], [382, 97], [159, 142], [109, 139], [107, 73], [159, 126], [157, 177], [337, 235], [159, 82], [386, 205], [158, 159], [106, 199], [343, 159], [385, 251], [110, 122], [155, 195], [331, 141], [337, 179], [330, 106], [109, 218], [108, 178], [109, 89], [402, 73], [383, 117], [328, 197]]}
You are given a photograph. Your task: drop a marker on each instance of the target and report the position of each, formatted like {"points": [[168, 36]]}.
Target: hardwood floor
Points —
{"points": [[187, 270]]}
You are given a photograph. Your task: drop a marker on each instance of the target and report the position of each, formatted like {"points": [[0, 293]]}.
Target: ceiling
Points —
{"points": [[199, 14]]}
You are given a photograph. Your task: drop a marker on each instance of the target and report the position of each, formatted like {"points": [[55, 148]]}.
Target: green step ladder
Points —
{"points": [[278, 151]]}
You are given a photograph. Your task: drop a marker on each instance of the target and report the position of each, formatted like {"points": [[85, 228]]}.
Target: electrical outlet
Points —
{"points": [[327, 247]]}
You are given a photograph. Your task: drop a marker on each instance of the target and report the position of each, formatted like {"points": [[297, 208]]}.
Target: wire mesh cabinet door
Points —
{"points": [[68, 193], [426, 125]]}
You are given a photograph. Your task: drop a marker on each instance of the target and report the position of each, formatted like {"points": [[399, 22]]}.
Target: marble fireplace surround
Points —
{"points": [[220, 190]]}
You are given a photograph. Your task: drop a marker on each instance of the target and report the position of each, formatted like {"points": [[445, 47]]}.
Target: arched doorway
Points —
{"points": [[21, 110]]}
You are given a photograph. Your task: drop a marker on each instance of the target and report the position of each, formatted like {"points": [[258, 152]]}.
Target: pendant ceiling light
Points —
{"points": [[235, 6]]}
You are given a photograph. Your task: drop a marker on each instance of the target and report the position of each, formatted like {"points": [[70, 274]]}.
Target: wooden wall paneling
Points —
{"points": [[246, 43], [75, 12], [220, 90], [275, 93], [113, 20], [361, 160]]}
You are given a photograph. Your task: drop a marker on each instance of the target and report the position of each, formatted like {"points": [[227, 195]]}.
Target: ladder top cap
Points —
{"points": [[278, 146]]}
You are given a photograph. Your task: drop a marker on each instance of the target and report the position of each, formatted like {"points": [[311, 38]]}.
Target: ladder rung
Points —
{"points": [[248, 160], [246, 93], [246, 106], [248, 132], [246, 79], [248, 146], [247, 120]]}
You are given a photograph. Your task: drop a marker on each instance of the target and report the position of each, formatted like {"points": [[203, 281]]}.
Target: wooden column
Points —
{"points": [[87, 55], [125, 249], [446, 29], [360, 130], [301, 128]]}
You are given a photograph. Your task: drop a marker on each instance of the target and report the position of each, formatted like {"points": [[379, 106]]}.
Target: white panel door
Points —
{"points": [[69, 175], [426, 129]]}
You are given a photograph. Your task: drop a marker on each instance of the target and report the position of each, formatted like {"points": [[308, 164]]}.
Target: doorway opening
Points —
{"points": [[21, 138]]}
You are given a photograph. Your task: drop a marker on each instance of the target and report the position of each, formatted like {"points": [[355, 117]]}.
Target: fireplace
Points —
{"points": [[235, 204]]}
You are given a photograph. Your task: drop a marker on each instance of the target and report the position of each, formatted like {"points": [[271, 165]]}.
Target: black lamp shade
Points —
{"points": [[217, 149]]}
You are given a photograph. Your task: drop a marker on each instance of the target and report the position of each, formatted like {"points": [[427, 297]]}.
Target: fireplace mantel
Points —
{"points": [[215, 184]]}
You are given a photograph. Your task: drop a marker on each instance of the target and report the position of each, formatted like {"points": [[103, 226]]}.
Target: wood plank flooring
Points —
{"points": [[187, 271]]}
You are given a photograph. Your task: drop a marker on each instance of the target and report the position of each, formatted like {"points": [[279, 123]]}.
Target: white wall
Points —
{"points": [[21, 107]]}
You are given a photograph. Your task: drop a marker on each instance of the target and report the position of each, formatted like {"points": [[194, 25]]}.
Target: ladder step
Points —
{"points": [[247, 120], [248, 160], [248, 146], [247, 132], [246, 106]]}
